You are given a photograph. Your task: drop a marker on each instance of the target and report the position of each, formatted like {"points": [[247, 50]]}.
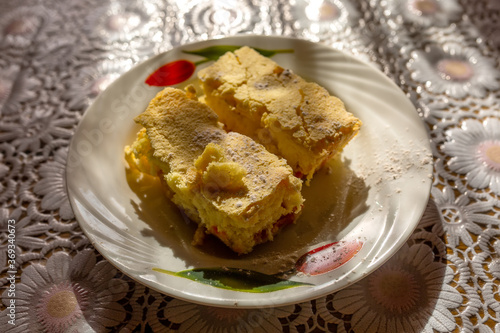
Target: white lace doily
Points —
{"points": [[57, 56]]}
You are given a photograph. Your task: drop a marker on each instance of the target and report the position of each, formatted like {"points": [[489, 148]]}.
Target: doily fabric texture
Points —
{"points": [[57, 56]]}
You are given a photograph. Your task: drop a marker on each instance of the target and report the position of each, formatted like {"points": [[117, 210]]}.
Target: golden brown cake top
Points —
{"points": [[231, 170], [179, 128], [303, 108]]}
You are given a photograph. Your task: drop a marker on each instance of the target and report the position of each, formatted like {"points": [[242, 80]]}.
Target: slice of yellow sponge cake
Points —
{"points": [[295, 119], [226, 182]]}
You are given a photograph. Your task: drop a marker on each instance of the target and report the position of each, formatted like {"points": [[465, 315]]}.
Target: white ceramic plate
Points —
{"points": [[370, 201]]}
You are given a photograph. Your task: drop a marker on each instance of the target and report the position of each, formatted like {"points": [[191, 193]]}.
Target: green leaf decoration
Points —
{"points": [[270, 53], [215, 52], [235, 279]]}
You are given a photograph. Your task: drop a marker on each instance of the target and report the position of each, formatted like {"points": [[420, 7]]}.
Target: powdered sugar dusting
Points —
{"points": [[395, 161]]}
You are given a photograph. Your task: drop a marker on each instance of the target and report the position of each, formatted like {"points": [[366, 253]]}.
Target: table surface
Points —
{"points": [[57, 56]]}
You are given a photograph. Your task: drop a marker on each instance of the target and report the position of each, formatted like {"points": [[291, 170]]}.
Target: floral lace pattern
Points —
{"points": [[57, 56]]}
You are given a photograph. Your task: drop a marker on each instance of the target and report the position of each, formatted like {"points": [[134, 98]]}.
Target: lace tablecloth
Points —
{"points": [[57, 56]]}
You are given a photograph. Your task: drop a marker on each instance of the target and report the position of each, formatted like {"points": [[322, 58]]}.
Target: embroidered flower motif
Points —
{"points": [[52, 186], [121, 22], [490, 294], [211, 19], [198, 318], [322, 17], [19, 26], [31, 132], [68, 293], [91, 81], [475, 151], [206, 19], [409, 293], [426, 13], [327, 315], [485, 266], [453, 70], [16, 87], [459, 217], [61, 305], [55, 54], [26, 232]]}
